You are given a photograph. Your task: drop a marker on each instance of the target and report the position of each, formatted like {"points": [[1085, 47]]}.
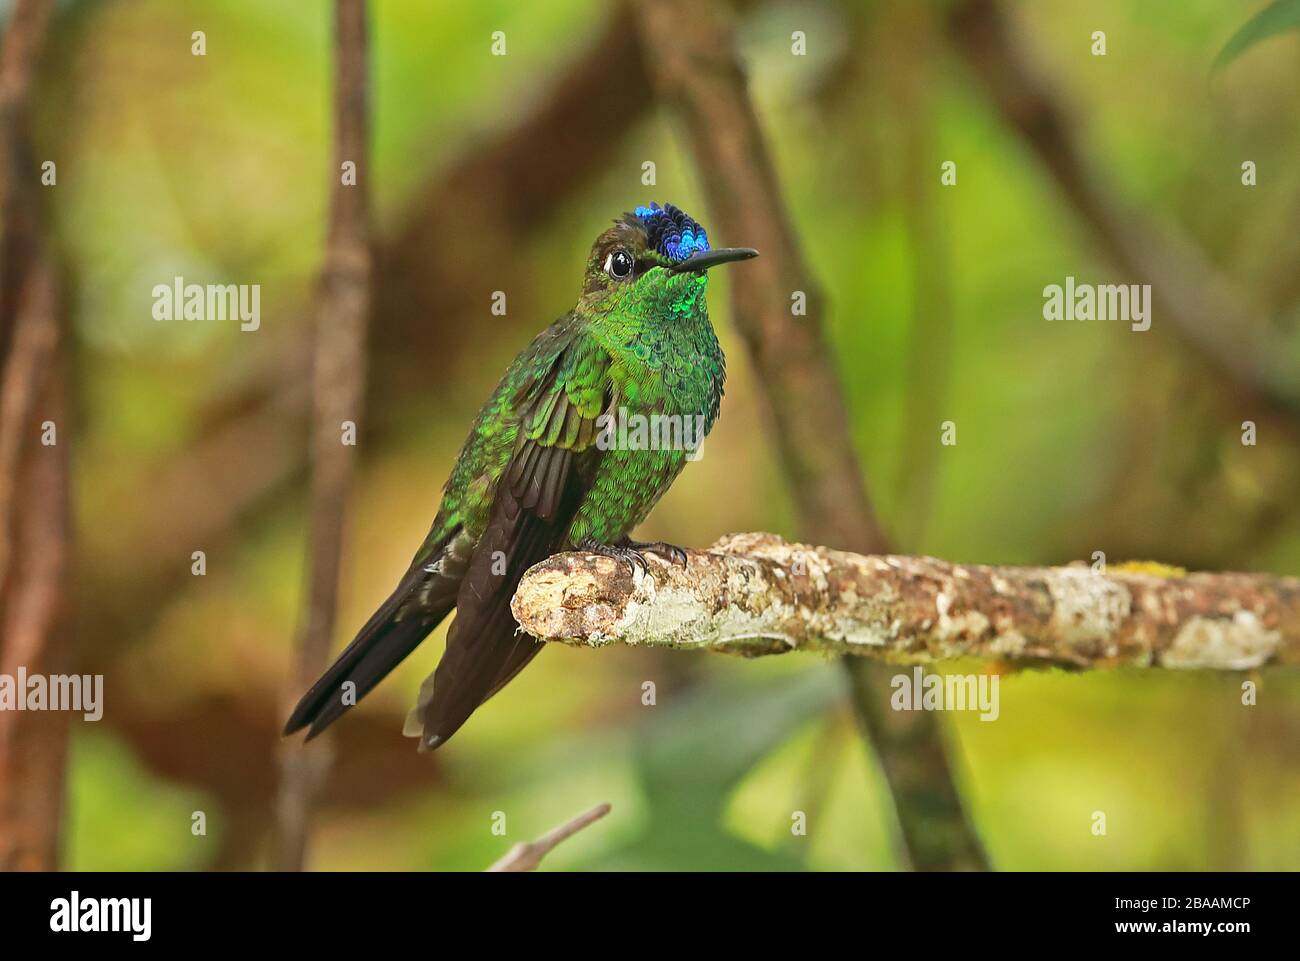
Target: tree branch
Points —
{"points": [[528, 857], [754, 594], [35, 508], [337, 386]]}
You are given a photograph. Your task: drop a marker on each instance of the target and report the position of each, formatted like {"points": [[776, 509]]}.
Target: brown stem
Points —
{"points": [[34, 486], [343, 303], [528, 857]]}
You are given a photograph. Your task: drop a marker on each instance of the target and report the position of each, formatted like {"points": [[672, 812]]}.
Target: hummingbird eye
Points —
{"points": [[619, 265]]}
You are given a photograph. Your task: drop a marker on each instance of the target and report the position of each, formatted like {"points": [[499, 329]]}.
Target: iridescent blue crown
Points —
{"points": [[672, 232]]}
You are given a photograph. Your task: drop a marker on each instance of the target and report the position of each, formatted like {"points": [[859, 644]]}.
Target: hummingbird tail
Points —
{"points": [[418, 605], [485, 647], [473, 669]]}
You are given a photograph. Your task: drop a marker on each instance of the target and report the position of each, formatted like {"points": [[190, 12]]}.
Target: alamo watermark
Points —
{"points": [[919, 691], [630, 431], [181, 301], [1128, 302], [53, 692]]}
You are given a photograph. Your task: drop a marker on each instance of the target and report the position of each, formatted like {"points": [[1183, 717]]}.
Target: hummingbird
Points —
{"points": [[542, 473]]}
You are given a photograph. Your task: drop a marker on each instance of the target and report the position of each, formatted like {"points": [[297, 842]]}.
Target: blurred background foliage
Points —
{"points": [[1072, 438]]}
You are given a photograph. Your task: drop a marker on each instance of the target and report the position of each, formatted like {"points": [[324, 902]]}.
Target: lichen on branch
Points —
{"points": [[754, 594]]}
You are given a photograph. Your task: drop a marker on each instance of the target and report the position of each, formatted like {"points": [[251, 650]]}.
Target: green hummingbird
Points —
{"points": [[544, 471]]}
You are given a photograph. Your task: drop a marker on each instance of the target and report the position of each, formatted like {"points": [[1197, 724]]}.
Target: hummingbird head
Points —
{"points": [[652, 251]]}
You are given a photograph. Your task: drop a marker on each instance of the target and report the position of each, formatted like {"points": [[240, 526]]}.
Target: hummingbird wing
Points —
{"points": [[557, 363], [535, 501]]}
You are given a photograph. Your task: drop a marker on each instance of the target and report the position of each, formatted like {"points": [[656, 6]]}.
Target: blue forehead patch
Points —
{"points": [[672, 232]]}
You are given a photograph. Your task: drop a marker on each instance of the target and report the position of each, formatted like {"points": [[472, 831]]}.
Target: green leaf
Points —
{"points": [[1278, 17], [691, 757]]}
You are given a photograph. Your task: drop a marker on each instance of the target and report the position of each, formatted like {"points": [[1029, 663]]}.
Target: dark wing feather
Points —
{"points": [[535, 502], [424, 596]]}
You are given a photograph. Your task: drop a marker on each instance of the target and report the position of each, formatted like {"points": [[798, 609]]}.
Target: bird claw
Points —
{"points": [[676, 555], [629, 555], [633, 553]]}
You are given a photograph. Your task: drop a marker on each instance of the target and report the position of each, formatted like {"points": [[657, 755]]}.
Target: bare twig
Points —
{"points": [[755, 594], [33, 744], [694, 66], [31, 352], [27, 339], [338, 375], [34, 497], [528, 856]]}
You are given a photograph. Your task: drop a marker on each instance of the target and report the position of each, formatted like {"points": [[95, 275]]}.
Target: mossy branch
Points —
{"points": [[754, 594]]}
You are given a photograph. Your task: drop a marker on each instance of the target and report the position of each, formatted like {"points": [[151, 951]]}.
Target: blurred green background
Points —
{"points": [[1072, 438]]}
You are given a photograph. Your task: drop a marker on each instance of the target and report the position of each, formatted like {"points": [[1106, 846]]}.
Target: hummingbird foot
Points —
{"points": [[675, 554], [630, 556], [632, 553]]}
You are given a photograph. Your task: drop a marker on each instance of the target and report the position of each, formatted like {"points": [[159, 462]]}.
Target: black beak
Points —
{"points": [[711, 258]]}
